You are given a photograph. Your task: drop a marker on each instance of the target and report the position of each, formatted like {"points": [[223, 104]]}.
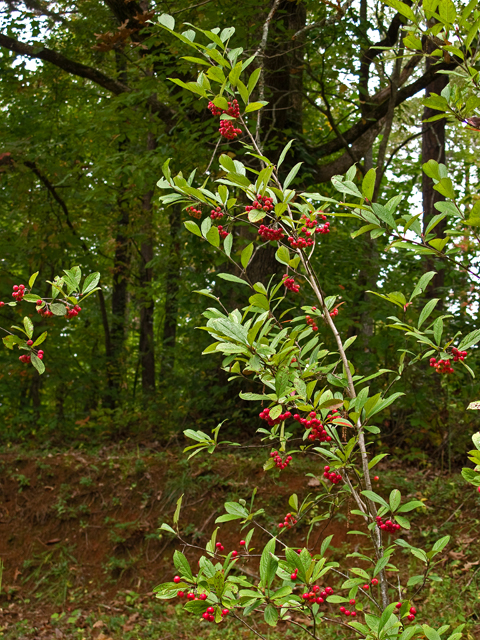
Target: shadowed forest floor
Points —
{"points": [[81, 550]]}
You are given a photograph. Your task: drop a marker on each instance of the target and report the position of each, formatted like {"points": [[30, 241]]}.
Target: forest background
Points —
{"points": [[88, 119]]}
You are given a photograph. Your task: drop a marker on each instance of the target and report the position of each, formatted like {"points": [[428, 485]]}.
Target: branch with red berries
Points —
{"points": [[66, 293]]}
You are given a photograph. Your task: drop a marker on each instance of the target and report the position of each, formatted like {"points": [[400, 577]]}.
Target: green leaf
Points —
{"points": [[422, 284], [374, 497], [167, 527], [182, 565], [40, 339], [410, 506], [402, 8], [267, 562], [282, 255], [426, 311], [429, 632], [253, 79], [176, 515], [166, 20], [255, 106], [227, 244], [284, 153], [213, 236], [368, 183], [91, 282], [395, 499], [192, 226], [448, 14], [31, 282], [246, 255], [27, 323], [232, 278], [403, 522], [441, 544], [37, 363], [58, 309], [291, 176], [445, 187], [271, 615]]}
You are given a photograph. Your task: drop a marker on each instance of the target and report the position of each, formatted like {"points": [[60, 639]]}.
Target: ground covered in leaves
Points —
{"points": [[81, 550]]}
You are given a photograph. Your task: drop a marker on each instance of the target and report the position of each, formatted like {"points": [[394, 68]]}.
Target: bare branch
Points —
{"points": [[81, 70]]}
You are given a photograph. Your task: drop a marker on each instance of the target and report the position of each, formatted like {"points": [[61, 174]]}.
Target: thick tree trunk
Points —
{"points": [[433, 148], [147, 303], [284, 91], [147, 342], [171, 294]]}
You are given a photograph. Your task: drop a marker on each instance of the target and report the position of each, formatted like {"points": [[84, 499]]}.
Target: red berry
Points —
{"points": [[398, 605], [366, 587], [374, 582], [210, 610], [177, 579], [376, 478], [413, 610], [352, 601], [180, 594], [225, 612], [234, 554], [353, 614], [29, 343], [242, 543], [411, 617], [342, 609]]}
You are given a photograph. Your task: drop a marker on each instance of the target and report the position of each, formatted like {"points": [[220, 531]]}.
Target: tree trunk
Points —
{"points": [[433, 148], [147, 341], [171, 294]]}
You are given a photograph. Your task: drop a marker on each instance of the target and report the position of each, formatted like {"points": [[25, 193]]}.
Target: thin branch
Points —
{"points": [[81, 70]]}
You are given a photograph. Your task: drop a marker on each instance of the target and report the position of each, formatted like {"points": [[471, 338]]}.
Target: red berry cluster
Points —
{"points": [[195, 213], [265, 415], [290, 284], [18, 292], [222, 232], [191, 596], [301, 243], [311, 322], [208, 615], [216, 213], [279, 462], [43, 311], [331, 475], [388, 525], [334, 313], [228, 130], [73, 312], [346, 611], [458, 355], [442, 366], [219, 546], [294, 575], [315, 595], [313, 423], [233, 109], [267, 233], [412, 612], [288, 522], [27, 358], [215, 111], [324, 228], [307, 241], [261, 203]]}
